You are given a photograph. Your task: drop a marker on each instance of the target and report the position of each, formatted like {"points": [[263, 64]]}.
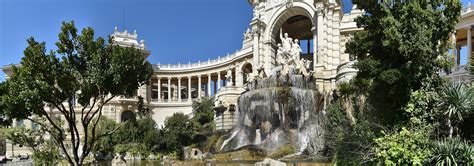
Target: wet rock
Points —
{"points": [[271, 162], [193, 154]]}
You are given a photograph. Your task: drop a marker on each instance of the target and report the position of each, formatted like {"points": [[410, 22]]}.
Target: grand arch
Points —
{"points": [[282, 18]]}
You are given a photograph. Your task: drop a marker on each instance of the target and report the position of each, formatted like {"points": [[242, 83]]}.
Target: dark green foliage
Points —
{"points": [[106, 144], [99, 70], [466, 128], [141, 133], [471, 64], [44, 152], [349, 144], [143, 111], [401, 50], [4, 121], [204, 110], [452, 151], [182, 127], [456, 101]]}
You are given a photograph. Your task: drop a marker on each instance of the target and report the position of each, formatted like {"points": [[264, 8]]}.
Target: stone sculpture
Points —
{"points": [[295, 50], [288, 56], [286, 41], [228, 78]]}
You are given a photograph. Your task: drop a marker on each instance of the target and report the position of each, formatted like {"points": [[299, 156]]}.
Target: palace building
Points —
{"points": [[319, 25]]}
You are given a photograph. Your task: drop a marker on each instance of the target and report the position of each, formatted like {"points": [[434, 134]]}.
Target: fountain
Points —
{"points": [[282, 109]]}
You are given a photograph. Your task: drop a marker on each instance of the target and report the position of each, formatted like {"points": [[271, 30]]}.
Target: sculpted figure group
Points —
{"points": [[288, 56]]}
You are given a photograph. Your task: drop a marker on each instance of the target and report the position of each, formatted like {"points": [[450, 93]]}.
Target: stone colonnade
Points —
{"points": [[457, 45], [187, 87]]}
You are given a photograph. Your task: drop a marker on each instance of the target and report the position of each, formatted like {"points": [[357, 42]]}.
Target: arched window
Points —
{"points": [[127, 115]]}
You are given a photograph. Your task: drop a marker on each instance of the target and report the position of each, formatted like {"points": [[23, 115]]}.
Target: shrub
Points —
{"points": [[406, 147], [452, 151]]}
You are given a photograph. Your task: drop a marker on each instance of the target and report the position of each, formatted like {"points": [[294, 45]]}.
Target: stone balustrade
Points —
{"points": [[209, 62], [469, 8]]}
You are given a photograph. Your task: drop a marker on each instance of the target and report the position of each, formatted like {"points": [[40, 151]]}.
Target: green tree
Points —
{"points": [[142, 111], [403, 46], [44, 151], [106, 128], [204, 110], [3, 91], [179, 131], [83, 67], [345, 91], [456, 101]]}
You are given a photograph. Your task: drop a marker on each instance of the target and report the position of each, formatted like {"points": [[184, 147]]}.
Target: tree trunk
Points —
{"points": [[450, 128], [347, 106]]}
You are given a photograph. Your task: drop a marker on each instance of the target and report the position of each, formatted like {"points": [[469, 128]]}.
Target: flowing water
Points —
{"points": [[277, 111]]}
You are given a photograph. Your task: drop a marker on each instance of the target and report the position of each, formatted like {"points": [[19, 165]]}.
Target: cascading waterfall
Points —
{"points": [[258, 137], [277, 111]]}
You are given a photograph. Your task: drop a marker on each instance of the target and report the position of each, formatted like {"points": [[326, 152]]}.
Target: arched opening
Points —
{"points": [[298, 23], [298, 29], [246, 70], [127, 115]]}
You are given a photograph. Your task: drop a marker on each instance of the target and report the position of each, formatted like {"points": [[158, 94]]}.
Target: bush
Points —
{"points": [[407, 147], [452, 151], [204, 110], [105, 144], [48, 155]]}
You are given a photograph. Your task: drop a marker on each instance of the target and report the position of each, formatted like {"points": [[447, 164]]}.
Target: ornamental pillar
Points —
{"points": [[179, 89], [159, 88], [208, 85], [317, 35], [218, 81], [469, 42], [169, 89], [189, 88], [199, 86]]}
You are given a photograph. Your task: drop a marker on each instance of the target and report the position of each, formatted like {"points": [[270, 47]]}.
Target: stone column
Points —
{"points": [[469, 42], [169, 89], [238, 75], [256, 47], [179, 89], [308, 45], [317, 35], [199, 86], [218, 80], [189, 88], [159, 88], [209, 85]]}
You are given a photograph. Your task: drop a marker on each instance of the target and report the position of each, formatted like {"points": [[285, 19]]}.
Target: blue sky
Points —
{"points": [[174, 30]]}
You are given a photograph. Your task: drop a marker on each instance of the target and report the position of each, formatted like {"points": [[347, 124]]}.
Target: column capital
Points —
{"points": [[158, 77], [199, 76], [209, 74], [169, 78], [179, 77], [189, 77]]}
